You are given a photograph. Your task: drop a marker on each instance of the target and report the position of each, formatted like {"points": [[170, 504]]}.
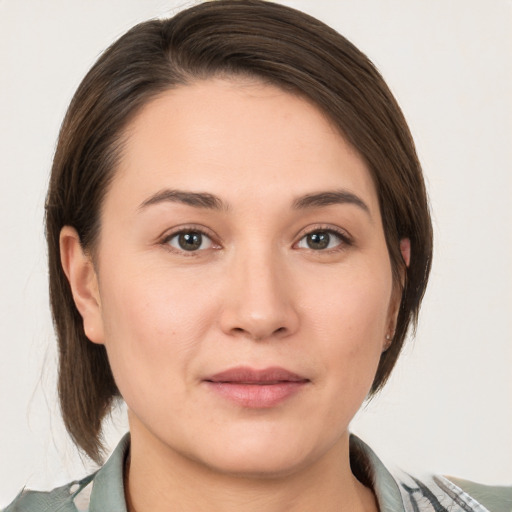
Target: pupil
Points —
{"points": [[319, 240], [190, 241]]}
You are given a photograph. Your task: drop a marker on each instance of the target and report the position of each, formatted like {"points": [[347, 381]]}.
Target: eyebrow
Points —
{"points": [[196, 199], [213, 202], [329, 198]]}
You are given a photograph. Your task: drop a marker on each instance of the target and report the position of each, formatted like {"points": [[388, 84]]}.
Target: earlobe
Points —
{"points": [[81, 274]]}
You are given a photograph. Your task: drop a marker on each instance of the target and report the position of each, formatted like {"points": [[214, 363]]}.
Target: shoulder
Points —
{"points": [[103, 490], [398, 491], [495, 498], [438, 492], [72, 497]]}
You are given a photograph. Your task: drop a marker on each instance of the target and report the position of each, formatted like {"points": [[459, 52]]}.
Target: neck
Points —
{"points": [[158, 478]]}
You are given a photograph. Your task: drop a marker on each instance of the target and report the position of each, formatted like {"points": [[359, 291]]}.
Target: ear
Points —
{"points": [[405, 249], [81, 274], [394, 306]]}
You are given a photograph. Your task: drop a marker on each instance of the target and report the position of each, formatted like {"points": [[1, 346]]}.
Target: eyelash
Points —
{"points": [[345, 239], [184, 230]]}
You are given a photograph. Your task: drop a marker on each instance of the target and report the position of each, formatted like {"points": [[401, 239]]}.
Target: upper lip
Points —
{"points": [[247, 375]]}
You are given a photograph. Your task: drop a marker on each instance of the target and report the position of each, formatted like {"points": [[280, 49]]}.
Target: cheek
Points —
{"points": [[153, 327], [349, 318], [354, 302], [153, 301]]}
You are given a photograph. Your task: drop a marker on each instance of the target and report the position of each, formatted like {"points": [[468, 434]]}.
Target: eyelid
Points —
{"points": [[186, 228], [346, 238]]}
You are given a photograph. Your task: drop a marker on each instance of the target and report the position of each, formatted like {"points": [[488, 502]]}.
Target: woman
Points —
{"points": [[239, 239]]}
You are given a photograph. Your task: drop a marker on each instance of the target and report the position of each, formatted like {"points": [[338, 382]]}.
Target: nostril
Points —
{"points": [[254, 334]]}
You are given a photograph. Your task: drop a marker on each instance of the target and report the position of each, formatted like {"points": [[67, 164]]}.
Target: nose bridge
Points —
{"points": [[260, 302], [261, 273]]}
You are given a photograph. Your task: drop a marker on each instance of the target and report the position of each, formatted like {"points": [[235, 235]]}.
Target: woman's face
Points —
{"points": [[244, 284]]}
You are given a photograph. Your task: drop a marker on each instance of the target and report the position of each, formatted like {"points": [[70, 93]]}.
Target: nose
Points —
{"points": [[259, 301]]}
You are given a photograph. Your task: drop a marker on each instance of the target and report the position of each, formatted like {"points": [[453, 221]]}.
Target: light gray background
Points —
{"points": [[448, 406]]}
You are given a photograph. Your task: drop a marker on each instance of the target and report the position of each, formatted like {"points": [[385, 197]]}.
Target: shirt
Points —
{"points": [[103, 491]]}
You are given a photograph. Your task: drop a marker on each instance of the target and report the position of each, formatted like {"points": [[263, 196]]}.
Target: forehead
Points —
{"points": [[237, 138]]}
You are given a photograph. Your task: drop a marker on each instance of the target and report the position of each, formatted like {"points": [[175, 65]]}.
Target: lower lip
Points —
{"points": [[257, 396]]}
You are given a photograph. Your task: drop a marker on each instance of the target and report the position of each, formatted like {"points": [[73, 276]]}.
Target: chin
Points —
{"points": [[254, 456], [253, 465]]}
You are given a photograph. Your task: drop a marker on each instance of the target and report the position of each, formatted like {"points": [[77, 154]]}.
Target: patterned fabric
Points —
{"points": [[402, 492], [436, 494], [103, 491]]}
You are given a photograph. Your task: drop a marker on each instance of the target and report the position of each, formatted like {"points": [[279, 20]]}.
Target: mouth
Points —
{"points": [[256, 389]]}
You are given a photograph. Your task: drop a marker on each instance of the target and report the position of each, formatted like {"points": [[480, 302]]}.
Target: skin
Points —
{"points": [[254, 294]]}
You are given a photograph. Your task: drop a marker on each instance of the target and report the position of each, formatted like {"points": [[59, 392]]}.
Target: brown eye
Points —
{"points": [[190, 241], [320, 240]]}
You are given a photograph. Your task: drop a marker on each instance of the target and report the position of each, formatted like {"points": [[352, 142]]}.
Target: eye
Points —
{"points": [[322, 239], [189, 241]]}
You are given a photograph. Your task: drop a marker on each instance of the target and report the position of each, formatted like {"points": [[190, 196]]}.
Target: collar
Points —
{"points": [[370, 470], [108, 487]]}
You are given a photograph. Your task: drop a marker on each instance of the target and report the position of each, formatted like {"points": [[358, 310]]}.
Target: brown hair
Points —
{"points": [[225, 37]]}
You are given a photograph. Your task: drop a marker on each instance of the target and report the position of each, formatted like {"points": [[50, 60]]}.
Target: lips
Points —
{"points": [[245, 375], [254, 388]]}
